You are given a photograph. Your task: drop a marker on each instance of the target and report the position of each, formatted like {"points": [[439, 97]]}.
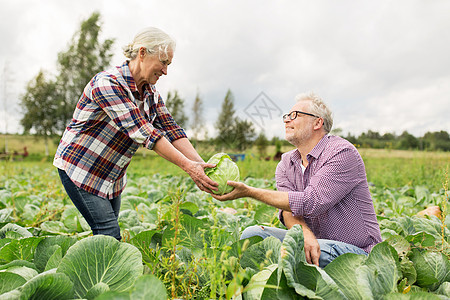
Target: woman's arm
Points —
{"points": [[195, 169], [184, 146]]}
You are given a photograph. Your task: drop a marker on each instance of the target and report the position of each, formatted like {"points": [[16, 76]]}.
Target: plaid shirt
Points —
{"points": [[332, 194], [108, 127]]}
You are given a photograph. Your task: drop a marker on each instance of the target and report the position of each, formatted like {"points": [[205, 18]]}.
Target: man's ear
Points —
{"points": [[318, 123]]}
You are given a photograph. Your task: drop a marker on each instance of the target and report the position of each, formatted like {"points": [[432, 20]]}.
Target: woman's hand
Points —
{"points": [[197, 172]]}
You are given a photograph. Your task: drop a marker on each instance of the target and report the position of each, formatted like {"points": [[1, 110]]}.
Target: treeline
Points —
{"points": [[432, 141]]}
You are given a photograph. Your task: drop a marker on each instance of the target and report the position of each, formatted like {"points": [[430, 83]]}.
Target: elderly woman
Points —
{"points": [[120, 110]]}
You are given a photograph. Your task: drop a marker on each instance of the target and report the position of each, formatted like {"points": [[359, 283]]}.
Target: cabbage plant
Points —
{"points": [[224, 170]]}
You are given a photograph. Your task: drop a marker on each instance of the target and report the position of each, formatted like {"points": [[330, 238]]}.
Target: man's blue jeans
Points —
{"points": [[100, 213], [329, 249]]}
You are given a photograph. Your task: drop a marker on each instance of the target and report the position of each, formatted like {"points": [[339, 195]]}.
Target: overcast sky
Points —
{"points": [[380, 65]]}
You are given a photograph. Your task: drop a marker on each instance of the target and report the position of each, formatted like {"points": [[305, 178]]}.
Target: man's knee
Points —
{"points": [[255, 230]]}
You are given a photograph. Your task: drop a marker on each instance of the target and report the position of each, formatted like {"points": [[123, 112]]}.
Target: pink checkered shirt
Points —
{"points": [[333, 194]]}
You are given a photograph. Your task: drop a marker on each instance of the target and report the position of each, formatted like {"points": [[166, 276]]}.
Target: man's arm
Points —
{"points": [[273, 198], [279, 200], [312, 248]]}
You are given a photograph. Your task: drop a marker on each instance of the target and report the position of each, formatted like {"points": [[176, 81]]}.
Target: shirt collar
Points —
{"points": [[318, 149], [124, 69], [315, 152]]}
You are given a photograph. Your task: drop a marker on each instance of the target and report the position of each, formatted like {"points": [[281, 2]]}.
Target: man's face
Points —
{"points": [[299, 130]]}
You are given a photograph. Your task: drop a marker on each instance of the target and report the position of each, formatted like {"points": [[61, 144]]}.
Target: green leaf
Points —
{"points": [[14, 231], [444, 289], [55, 227], [22, 249], [264, 214], [258, 282], [146, 287], [307, 280], [9, 281], [48, 285], [408, 271], [383, 271], [400, 244], [422, 195], [145, 243], [343, 270], [261, 254], [5, 215], [128, 218], [421, 239], [47, 247], [432, 268], [19, 263], [149, 287], [55, 259], [237, 247], [25, 272], [283, 291], [190, 232], [101, 259], [97, 290]]}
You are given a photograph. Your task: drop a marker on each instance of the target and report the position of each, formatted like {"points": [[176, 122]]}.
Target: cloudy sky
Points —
{"points": [[380, 65]]}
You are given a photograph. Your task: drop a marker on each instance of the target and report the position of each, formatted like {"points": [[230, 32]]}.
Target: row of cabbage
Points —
{"points": [[181, 243]]}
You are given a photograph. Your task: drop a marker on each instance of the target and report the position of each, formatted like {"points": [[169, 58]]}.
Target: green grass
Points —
{"points": [[385, 168]]}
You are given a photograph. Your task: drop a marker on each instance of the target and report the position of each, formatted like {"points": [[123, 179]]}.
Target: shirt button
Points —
{"points": [[111, 181]]}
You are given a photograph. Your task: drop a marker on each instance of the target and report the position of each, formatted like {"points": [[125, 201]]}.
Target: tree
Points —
{"points": [[85, 57], [197, 117], [176, 107], [40, 107], [244, 134], [261, 143], [408, 141], [233, 132], [226, 120]]}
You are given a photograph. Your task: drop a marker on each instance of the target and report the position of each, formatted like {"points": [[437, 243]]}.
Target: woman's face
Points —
{"points": [[155, 65]]}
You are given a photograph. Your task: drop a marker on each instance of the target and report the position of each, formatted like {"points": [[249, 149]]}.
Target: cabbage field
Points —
{"points": [[180, 243]]}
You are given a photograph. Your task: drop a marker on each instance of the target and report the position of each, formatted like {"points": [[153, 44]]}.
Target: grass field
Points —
{"points": [[387, 168]]}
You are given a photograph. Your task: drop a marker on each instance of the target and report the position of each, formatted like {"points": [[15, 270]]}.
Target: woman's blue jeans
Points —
{"points": [[329, 249], [100, 213]]}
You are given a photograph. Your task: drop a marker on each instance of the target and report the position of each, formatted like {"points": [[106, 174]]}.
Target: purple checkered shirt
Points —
{"points": [[108, 127], [332, 195]]}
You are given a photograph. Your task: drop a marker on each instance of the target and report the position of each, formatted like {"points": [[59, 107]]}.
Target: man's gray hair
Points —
{"points": [[153, 39], [319, 108]]}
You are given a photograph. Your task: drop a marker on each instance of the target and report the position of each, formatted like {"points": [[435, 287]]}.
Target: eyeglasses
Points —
{"points": [[294, 114]]}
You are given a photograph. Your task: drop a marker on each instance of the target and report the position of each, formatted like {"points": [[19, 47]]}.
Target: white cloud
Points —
{"points": [[373, 61]]}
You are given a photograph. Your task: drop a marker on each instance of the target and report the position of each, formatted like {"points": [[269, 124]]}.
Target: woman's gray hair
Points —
{"points": [[153, 39], [319, 108]]}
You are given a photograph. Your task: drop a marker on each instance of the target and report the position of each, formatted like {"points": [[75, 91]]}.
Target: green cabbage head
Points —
{"points": [[225, 170]]}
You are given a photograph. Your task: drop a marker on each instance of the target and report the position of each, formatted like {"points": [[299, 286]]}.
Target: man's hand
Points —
{"points": [[240, 190], [197, 173], [312, 248]]}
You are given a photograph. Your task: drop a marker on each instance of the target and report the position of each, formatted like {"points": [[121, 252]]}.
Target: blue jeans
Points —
{"points": [[329, 249], [101, 214]]}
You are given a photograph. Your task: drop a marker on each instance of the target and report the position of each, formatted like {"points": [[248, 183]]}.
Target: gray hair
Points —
{"points": [[319, 108], [153, 39]]}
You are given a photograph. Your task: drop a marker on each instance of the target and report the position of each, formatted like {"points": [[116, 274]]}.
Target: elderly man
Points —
{"points": [[321, 185]]}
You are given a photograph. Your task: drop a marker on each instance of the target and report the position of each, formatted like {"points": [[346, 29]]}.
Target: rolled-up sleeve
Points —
{"points": [[166, 124], [283, 184]]}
